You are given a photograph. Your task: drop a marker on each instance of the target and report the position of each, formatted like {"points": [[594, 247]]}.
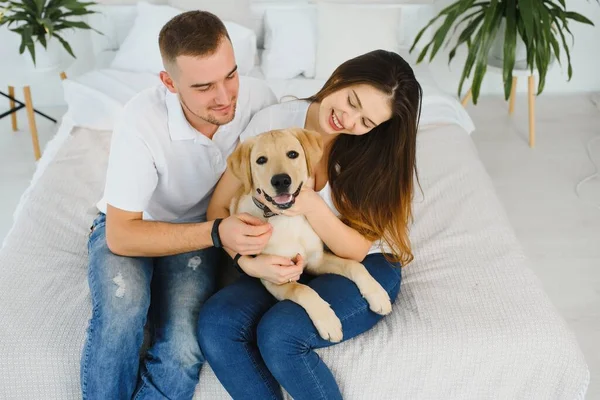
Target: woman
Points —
{"points": [[367, 113]]}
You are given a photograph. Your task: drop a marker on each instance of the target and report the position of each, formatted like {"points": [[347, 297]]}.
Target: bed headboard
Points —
{"points": [[115, 18]]}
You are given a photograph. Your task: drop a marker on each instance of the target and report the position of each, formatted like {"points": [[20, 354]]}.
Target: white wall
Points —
{"points": [[585, 58]]}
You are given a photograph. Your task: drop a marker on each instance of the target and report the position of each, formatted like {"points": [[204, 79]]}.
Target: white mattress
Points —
{"points": [[471, 321]]}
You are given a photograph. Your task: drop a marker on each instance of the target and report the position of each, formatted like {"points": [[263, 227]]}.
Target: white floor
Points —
{"points": [[559, 230]]}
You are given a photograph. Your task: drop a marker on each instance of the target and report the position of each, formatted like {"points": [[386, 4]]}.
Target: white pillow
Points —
{"points": [[140, 52], [114, 22], [290, 42], [243, 41], [237, 11], [348, 30]]}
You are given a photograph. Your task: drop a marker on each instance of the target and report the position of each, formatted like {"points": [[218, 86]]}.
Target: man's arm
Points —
{"points": [[218, 207], [127, 234]]}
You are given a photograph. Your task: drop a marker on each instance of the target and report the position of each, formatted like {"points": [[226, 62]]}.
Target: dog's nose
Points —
{"points": [[281, 182]]}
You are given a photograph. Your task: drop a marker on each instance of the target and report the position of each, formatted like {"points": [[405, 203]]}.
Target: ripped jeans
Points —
{"points": [[127, 292]]}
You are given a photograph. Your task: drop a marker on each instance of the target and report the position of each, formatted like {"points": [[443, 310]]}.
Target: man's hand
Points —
{"points": [[245, 234], [275, 269]]}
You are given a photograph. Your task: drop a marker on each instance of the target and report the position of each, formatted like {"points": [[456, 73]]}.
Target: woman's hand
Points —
{"points": [[306, 203], [275, 269]]}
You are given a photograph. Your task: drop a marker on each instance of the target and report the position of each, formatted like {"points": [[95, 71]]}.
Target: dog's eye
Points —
{"points": [[261, 160], [292, 154]]}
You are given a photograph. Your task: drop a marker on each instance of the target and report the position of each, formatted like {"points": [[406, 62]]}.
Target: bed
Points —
{"points": [[471, 321]]}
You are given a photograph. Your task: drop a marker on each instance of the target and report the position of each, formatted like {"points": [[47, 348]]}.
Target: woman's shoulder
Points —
{"points": [[287, 106], [277, 116]]}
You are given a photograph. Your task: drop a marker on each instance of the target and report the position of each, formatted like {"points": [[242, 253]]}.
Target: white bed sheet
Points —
{"points": [[471, 321]]}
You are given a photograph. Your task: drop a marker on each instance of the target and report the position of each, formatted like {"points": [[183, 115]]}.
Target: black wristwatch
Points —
{"points": [[216, 239], [236, 264]]}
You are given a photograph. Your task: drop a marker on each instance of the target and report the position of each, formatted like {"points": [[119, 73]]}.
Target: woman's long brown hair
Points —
{"points": [[371, 175]]}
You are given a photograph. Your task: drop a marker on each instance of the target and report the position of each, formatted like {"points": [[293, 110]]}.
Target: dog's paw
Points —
{"points": [[378, 299], [327, 323]]}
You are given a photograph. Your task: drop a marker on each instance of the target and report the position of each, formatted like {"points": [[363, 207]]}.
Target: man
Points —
{"points": [[151, 251]]}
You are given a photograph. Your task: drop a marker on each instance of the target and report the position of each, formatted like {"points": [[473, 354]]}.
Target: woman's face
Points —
{"points": [[354, 110]]}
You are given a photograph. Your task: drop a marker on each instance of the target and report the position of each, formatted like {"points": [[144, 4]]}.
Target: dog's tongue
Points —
{"points": [[283, 198]]}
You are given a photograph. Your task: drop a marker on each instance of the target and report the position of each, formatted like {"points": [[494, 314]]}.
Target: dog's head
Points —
{"points": [[277, 163]]}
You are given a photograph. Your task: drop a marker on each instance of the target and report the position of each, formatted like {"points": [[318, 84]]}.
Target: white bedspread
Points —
{"points": [[471, 321]]}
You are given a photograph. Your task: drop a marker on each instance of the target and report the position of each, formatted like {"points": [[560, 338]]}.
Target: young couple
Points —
{"points": [[153, 248]]}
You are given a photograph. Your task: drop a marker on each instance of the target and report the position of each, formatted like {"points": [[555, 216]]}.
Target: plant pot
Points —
{"points": [[46, 58], [496, 54]]}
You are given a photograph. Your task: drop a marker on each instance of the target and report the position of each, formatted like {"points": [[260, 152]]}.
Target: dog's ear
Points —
{"points": [[312, 143], [239, 163]]}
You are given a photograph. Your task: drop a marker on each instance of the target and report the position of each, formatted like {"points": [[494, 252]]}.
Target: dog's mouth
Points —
{"points": [[283, 201]]}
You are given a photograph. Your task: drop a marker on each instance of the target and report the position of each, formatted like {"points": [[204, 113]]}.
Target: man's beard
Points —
{"points": [[211, 119]]}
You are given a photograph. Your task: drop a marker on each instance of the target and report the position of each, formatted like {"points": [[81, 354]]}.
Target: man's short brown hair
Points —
{"points": [[192, 33]]}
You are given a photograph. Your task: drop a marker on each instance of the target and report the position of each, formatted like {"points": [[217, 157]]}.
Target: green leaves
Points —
{"points": [[578, 18], [488, 35], [65, 44], [510, 45], [539, 24], [40, 20]]}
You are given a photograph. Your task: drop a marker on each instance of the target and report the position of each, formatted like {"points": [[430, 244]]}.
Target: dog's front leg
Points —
{"points": [[327, 323], [371, 290]]}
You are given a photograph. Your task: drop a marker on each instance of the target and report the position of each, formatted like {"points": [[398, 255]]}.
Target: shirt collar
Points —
{"points": [[179, 127]]}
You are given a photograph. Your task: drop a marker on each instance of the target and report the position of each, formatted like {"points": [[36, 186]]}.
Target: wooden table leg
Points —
{"points": [[466, 99], [531, 111], [513, 92], [13, 116], [63, 75], [32, 125]]}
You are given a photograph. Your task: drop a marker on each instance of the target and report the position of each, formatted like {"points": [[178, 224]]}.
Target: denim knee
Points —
{"points": [[213, 331], [182, 351], [277, 336]]}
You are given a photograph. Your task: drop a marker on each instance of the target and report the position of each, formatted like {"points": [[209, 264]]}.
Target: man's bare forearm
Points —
{"points": [[140, 238]]}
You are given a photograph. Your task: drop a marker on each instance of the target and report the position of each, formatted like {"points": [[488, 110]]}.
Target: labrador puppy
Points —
{"points": [[276, 164]]}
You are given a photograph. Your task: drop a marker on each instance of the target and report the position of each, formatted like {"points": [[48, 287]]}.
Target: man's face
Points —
{"points": [[207, 86]]}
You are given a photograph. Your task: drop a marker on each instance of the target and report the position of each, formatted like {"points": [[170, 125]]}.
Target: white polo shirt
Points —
{"points": [[160, 165]]}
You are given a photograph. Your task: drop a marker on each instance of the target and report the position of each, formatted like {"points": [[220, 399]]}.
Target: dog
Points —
{"points": [[276, 164]]}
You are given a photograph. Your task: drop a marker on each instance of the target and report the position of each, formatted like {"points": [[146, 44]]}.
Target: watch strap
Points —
{"points": [[214, 234], [236, 264]]}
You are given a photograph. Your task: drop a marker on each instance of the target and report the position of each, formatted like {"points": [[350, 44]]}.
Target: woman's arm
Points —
{"points": [[342, 240], [218, 207]]}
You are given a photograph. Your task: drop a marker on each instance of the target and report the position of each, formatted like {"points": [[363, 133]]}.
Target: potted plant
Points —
{"points": [[40, 23], [496, 31]]}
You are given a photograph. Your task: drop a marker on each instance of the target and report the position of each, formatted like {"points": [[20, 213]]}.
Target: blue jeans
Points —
{"points": [[254, 344], [122, 289]]}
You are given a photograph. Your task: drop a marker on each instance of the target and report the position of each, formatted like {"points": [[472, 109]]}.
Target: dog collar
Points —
{"points": [[267, 213]]}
